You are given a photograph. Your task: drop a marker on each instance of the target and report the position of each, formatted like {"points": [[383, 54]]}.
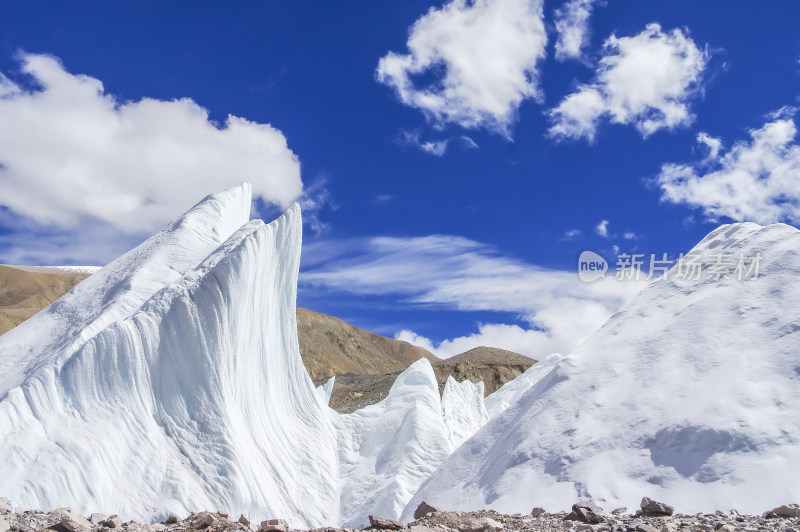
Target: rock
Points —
{"points": [[171, 520], [669, 527], [586, 511], [420, 528], [484, 524], [244, 521], [536, 512], [584, 527], [384, 523], [203, 520], [223, 514], [113, 522], [787, 510], [618, 511], [651, 507], [96, 519], [157, 527], [75, 523], [644, 527], [424, 509], [274, 525], [4, 526], [5, 506]]}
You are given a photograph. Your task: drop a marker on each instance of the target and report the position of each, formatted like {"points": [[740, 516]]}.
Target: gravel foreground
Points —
{"points": [[653, 516]]}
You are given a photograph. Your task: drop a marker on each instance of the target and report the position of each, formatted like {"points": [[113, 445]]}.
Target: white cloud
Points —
{"points": [[572, 26], [437, 147], [468, 143], [602, 228], [630, 235], [757, 180], [572, 233], [646, 80], [74, 157], [442, 271], [712, 143], [484, 55]]}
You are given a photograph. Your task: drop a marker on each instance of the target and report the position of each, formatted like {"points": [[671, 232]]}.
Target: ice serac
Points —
{"points": [[387, 449], [121, 287], [463, 409], [690, 394], [178, 387]]}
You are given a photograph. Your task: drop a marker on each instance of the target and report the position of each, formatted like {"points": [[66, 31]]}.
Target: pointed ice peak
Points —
{"points": [[118, 289]]}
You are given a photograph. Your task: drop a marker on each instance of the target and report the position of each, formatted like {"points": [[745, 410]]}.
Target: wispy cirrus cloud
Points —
{"points": [[484, 55], [451, 272]]}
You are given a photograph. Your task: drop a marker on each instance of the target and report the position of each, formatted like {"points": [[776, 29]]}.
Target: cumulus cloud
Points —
{"points": [[73, 156], [483, 55], [755, 180], [646, 80], [572, 26], [443, 271]]}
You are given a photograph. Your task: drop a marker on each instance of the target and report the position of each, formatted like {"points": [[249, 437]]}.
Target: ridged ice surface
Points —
{"points": [[171, 381], [690, 394], [463, 409]]}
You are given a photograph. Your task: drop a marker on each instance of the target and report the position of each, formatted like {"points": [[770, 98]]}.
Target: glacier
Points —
{"points": [[689, 394], [171, 380]]}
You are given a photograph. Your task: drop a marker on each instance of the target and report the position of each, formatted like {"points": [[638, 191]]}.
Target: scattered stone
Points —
{"points": [[244, 521], [171, 519], [787, 510], [203, 520], [618, 511], [376, 521], [157, 527], [644, 527], [587, 512], [96, 519], [484, 524], [651, 507], [74, 523], [113, 522], [420, 528], [4, 526], [222, 513], [274, 525], [536, 512], [424, 509]]}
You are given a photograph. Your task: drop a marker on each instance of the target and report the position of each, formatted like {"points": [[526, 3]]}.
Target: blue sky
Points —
{"points": [[453, 158]]}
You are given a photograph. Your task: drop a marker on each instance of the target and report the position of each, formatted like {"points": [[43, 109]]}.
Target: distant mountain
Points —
{"points": [[24, 291], [493, 366], [329, 346]]}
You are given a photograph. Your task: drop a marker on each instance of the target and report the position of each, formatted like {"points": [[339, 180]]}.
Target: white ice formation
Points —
{"points": [[690, 394], [171, 380]]}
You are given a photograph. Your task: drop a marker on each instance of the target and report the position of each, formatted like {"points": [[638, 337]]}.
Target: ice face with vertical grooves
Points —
{"points": [[171, 380], [689, 394], [463, 409]]}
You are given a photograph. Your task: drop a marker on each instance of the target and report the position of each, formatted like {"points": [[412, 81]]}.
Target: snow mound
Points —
{"points": [[690, 394], [171, 380]]}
